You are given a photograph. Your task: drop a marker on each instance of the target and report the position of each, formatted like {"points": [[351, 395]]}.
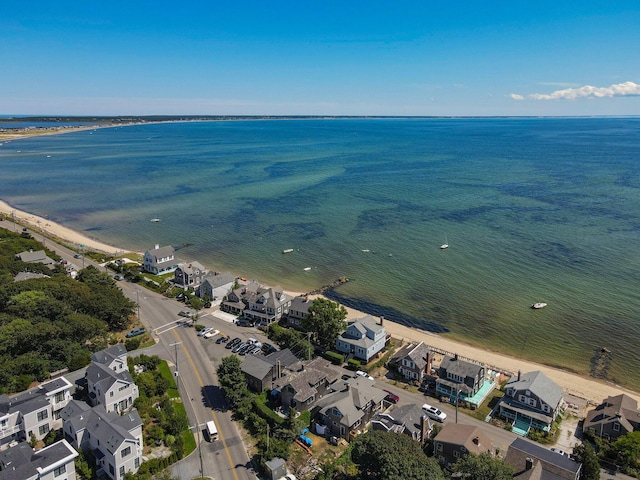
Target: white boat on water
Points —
{"points": [[306, 269], [445, 244], [287, 250], [538, 305], [155, 220]]}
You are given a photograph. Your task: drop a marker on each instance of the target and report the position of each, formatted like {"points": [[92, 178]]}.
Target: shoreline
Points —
{"points": [[587, 388]]}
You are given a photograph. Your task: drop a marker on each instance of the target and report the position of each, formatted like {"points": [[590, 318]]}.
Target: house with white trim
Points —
{"points": [[160, 260], [116, 390], [54, 462], [363, 339]]}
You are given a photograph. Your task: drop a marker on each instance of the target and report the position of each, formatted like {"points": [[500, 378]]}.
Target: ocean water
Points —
{"points": [[534, 210]]}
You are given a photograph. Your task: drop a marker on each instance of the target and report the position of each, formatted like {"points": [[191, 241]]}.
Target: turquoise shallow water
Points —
{"points": [[533, 210]]}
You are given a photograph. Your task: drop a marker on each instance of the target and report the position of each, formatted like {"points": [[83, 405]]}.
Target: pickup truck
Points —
{"points": [[135, 332]]}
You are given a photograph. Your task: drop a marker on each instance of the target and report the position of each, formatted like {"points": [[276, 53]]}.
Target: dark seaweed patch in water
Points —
{"points": [[386, 312], [403, 213], [304, 231], [94, 229], [600, 363], [557, 253]]}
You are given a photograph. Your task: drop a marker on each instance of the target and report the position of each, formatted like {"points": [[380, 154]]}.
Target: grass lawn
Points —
{"points": [[163, 368], [483, 410]]}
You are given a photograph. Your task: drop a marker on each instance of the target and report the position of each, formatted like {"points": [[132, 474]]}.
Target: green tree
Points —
{"points": [[326, 319], [627, 449], [483, 467], [586, 455], [388, 456], [232, 381]]}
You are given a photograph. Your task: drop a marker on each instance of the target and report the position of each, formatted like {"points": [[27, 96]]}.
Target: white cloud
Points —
{"points": [[587, 91]]}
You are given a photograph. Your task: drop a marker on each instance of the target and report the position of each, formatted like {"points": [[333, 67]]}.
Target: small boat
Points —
{"points": [[306, 269], [445, 244], [366, 250], [155, 220], [538, 305], [287, 250]]}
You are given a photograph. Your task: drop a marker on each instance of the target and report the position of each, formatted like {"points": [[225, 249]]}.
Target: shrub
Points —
{"points": [[335, 357], [131, 344], [353, 364]]}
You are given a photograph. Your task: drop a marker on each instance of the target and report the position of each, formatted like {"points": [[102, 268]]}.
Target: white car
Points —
{"points": [[360, 373], [211, 334], [204, 331], [434, 413]]}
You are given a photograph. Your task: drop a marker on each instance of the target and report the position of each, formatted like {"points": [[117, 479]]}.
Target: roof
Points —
{"points": [[416, 352], [300, 304], [112, 429], [39, 256], [28, 276], [350, 401], [258, 366], [404, 419], [191, 267], [219, 280], [108, 355], [621, 408], [553, 465], [303, 381], [97, 373], [540, 385], [33, 399], [462, 368], [22, 461], [468, 436]]}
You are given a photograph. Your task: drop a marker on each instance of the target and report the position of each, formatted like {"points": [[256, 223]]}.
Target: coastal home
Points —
{"points": [[531, 461], [55, 462], [262, 372], [115, 389], [33, 412], [235, 302], [189, 274], [413, 361], [456, 440], [463, 380], [409, 420], [39, 256], [114, 439], [347, 412], [298, 309], [363, 339], [614, 417], [215, 286], [301, 388], [531, 400], [268, 305], [160, 260]]}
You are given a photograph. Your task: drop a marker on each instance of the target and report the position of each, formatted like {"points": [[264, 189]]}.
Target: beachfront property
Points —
{"points": [[531, 400], [189, 275], [408, 420], [300, 389], [55, 462], [412, 361], [456, 440], [258, 304], [363, 339], [347, 412], [160, 260], [34, 412], [462, 380], [39, 256], [614, 417], [114, 439], [298, 309], [531, 461], [215, 286], [108, 380]]}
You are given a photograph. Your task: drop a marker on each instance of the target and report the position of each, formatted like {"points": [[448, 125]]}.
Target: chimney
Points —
{"points": [[476, 440], [156, 246], [518, 375], [306, 298], [427, 367], [423, 430], [528, 463], [381, 320], [455, 357]]}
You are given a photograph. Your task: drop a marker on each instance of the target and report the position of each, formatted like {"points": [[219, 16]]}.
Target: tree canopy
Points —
{"points": [[483, 467], [326, 319]]}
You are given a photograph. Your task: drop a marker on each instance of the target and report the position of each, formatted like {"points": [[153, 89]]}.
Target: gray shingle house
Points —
{"points": [[22, 462], [189, 274], [298, 309], [258, 304], [456, 440], [115, 390], [262, 372], [413, 361], [363, 339], [216, 286], [614, 417], [407, 419], [530, 461], [300, 389], [39, 256], [460, 378], [531, 400]]}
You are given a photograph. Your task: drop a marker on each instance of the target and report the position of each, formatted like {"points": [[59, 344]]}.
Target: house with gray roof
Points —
{"points": [[300, 389], [160, 260], [614, 417], [39, 256], [298, 309], [408, 420], [347, 412], [364, 338], [33, 412], [115, 390], [456, 440], [261, 372], [21, 276], [531, 400], [531, 461], [21, 462], [189, 274], [114, 358], [215, 286], [462, 380], [115, 440], [258, 304], [413, 361]]}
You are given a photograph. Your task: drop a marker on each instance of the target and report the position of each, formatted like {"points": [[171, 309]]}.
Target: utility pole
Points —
{"points": [[457, 398], [198, 427], [138, 302], [309, 341], [176, 371]]}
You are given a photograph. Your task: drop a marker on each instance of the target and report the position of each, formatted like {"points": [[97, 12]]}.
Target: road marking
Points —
{"points": [[213, 413]]}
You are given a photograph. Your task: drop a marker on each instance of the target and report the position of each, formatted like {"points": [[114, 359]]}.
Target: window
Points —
{"points": [[456, 453], [59, 397], [42, 415], [616, 427], [111, 393], [125, 452], [43, 429], [122, 471], [60, 470], [137, 462]]}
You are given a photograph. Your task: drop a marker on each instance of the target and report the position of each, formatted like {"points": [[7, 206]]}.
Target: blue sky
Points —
{"points": [[320, 58]]}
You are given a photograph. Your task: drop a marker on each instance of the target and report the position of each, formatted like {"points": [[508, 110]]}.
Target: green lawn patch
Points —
{"points": [[163, 368]]}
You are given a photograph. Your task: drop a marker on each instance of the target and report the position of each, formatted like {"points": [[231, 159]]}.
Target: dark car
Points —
{"points": [[238, 347], [233, 343], [267, 348], [222, 339], [135, 332], [391, 397]]}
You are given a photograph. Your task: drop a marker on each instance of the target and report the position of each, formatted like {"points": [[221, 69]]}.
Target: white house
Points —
{"points": [[115, 390], [363, 339], [160, 260], [54, 462]]}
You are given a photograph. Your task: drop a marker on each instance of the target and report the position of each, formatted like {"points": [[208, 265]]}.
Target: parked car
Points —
{"points": [[232, 343], [118, 277], [245, 349], [135, 332], [360, 373], [222, 339], [185, 313], [434, 413], [255, 351], [202, 332], [211, 334], [391, 397], [77, 255], [267, 348], [238, 347]]}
